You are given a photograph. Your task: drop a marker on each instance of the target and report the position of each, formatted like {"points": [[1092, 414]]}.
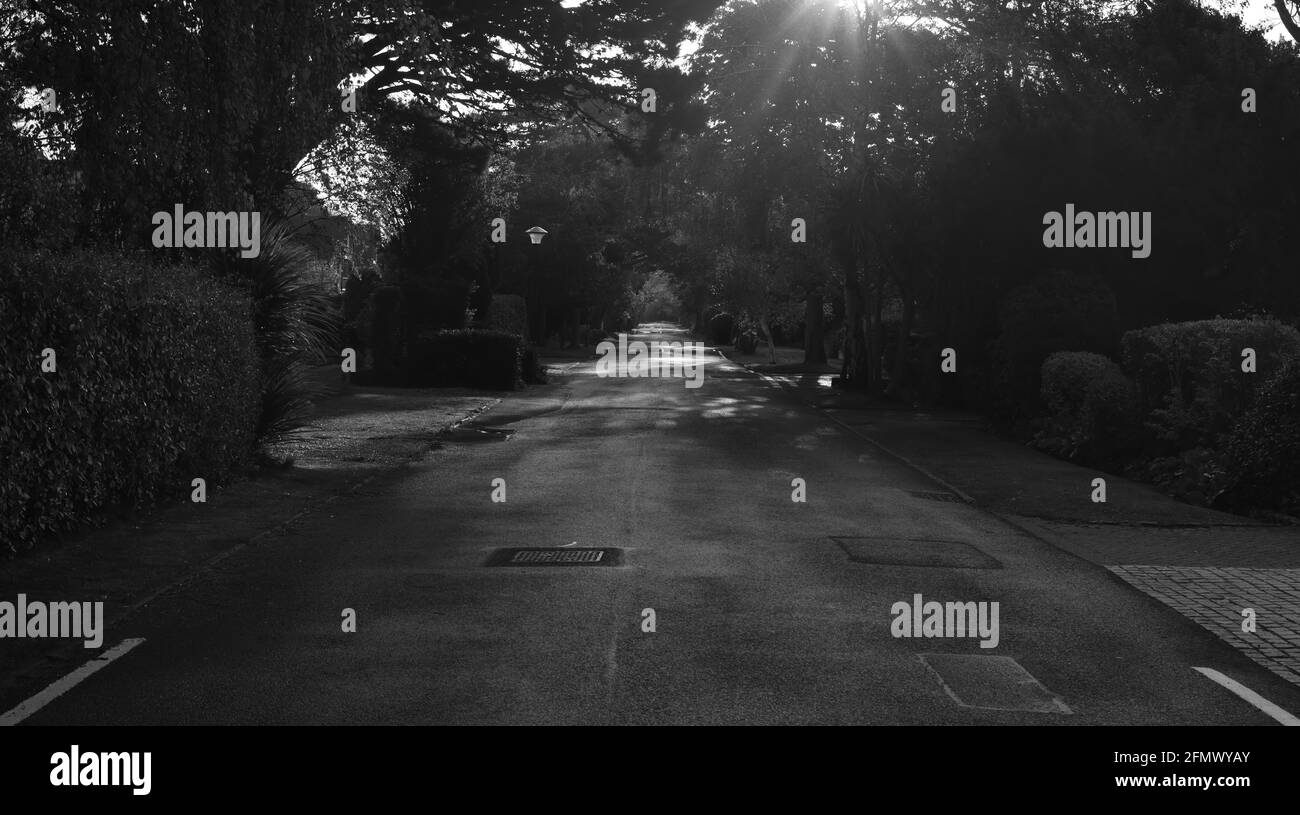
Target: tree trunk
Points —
{"points": [[814, 348], [767, 335], [875, 340], [854, 371], [901, 379]]}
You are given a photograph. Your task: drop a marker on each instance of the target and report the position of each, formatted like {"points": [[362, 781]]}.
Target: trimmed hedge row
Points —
{"points": [[1190, 419], [475, 358], [509, 313], [1188, 375], [156, 383]]}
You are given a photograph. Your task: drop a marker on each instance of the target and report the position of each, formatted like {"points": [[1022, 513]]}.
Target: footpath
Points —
{"points": [[1209, 566], [358, 437]]}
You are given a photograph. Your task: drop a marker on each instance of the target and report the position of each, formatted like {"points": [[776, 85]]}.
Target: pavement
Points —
{"points": [[761, 542], [354, 435], [1209, 566]]}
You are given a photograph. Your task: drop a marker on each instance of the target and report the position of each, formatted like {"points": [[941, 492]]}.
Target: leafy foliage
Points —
{"points": [[509, 313], [1092, 410], [1055, 312], [1262, 453], [156, 384], [297, 325], [1190, 385], [472, 357]]}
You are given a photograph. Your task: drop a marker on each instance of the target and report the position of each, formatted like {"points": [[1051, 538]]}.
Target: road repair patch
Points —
{"points": [[915, 552], [992, 683]]}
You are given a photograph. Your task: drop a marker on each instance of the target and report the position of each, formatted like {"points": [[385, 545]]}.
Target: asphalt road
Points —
{"points": [[760, 616]]}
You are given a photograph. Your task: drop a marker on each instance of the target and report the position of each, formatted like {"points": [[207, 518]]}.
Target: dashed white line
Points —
{"points": [[67, 683], [1250, 696]]}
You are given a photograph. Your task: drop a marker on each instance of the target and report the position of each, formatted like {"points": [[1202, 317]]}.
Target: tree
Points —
{"points": [[496, 69], [1289, 12]]}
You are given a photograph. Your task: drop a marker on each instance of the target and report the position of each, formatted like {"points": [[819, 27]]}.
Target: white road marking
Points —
{"points": [[1250, 696], [67, 683]]}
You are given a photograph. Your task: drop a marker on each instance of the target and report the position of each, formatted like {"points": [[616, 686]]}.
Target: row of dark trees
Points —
{"points": [[921, 219], [122, 108], [921, 143]]}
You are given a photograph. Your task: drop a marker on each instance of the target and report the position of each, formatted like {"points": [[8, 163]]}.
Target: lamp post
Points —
{"points": [[535, 234]]}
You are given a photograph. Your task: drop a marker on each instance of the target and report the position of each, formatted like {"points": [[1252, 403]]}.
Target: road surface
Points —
{"points": [[760, 615]]}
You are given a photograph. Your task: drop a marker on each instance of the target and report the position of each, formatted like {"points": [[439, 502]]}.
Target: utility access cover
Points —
{"points": [[915, 552], [555, 556], [992, 683]]}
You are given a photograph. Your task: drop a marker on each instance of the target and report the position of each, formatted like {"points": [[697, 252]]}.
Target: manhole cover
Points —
{"points": [[992, 683], [915, 552], [555, 556], [937, 496]]}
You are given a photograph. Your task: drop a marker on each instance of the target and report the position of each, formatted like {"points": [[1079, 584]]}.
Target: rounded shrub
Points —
{"points": [[1092, 409]]}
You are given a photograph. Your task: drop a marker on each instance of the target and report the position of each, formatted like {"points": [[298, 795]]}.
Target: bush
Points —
{"points": [[534, 372], [1057, 312], [472, 357], [434, 303], [1262, 455], [1092, 410], [297, 326], [156, 383], [509, 313], [1190, 385], [1196, 475]]}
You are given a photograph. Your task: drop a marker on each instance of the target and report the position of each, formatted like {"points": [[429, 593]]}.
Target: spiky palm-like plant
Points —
{"points": [[297, 325]]}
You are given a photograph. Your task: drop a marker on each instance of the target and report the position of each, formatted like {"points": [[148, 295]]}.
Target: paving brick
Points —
{"points": [[1214, 597]]}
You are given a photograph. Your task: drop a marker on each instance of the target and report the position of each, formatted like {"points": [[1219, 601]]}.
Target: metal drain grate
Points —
{"points": [[937, 496], [554, 556], [915, 552]]}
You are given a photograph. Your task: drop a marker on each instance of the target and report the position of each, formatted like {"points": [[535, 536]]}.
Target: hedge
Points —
{"points": [[509, 313], [1262, 454], [156, 383], [475, 358], [1190, 385]]}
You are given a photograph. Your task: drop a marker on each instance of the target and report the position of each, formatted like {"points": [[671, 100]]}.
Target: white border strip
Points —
{"points": [[1250, 696], [67, 683]]}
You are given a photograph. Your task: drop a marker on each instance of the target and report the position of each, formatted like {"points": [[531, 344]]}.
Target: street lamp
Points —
{"points": [[535, 234]]}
